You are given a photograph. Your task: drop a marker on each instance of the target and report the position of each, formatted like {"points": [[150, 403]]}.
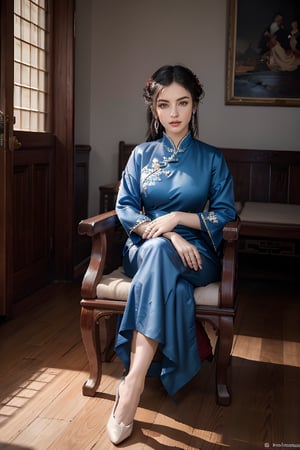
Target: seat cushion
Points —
{"points": [[115, 286], [273, 213]]}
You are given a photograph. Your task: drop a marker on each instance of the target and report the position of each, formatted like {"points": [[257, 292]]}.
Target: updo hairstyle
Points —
{"points": [[163, 77]]}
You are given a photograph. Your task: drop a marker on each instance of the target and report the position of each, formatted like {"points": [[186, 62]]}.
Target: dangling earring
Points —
{"points": [[193, 124], [156, 126]]}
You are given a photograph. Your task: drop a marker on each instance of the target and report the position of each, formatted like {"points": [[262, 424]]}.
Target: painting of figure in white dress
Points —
{"points": [[263, 52]]}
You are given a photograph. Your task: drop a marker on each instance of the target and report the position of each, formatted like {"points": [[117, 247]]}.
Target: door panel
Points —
{"points": [[33, 220]]}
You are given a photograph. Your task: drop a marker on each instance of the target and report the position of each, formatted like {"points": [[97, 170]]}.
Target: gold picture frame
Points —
{"points": [[261, 68]]}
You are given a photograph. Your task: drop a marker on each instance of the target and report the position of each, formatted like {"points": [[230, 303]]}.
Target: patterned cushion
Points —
{"points": [[115, 286]]}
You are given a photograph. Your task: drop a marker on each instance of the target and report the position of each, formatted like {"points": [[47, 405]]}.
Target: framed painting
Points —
{"points": [[263, 49]]}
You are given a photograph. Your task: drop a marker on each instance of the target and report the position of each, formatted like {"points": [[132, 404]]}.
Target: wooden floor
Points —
{"points": [[43, 366]]}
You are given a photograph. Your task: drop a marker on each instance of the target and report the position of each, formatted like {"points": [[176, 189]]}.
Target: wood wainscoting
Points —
{"points": [[81, 244]]}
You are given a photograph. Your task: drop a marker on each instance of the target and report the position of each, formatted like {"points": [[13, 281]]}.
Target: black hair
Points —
{"points": [[278, 13], [163, 77]]}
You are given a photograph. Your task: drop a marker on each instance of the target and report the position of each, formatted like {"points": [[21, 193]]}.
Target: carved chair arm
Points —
{"points": [[231, 230], [229, 264], [98, 224], [98, 228]]}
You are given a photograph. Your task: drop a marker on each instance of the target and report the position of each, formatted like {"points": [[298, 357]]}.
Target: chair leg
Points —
{"points": [[107, 328], [223, 360], [91, 341]]}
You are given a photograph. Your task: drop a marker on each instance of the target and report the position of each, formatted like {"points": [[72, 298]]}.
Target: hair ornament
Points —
{"points": [[197, 80]]}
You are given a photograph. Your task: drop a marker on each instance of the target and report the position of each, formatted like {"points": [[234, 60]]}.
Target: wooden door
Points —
{"points": [[36, 174], [6, 154]]}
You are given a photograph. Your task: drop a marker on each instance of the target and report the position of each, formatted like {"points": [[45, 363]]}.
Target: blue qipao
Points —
{"points": [[160, 178]]}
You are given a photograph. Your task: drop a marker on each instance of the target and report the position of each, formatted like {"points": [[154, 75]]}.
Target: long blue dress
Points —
{"points": [[160, 178]]}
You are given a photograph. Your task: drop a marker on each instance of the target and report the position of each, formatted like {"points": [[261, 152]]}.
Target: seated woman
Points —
{"points": [[173, 244], [294, 37], [281, 59]]}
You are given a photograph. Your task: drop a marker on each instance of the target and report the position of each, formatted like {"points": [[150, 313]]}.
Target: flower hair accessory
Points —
{"points": [[197, 80]]}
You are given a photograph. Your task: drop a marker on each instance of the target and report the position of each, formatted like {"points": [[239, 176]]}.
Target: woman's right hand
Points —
{"points": [[188, 252]]}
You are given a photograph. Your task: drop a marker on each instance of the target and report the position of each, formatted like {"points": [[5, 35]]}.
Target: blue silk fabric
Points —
{"points": [[160, 178]]}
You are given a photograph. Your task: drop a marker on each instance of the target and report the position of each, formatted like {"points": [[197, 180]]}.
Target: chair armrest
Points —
{"points": [[229, 264], [98, 224], [98, 228], [231, 230]]}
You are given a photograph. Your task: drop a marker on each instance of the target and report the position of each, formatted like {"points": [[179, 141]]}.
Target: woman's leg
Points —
{"points": [[160, 305], [142, 352]]}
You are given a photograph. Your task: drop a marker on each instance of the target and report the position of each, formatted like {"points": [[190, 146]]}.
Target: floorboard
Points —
{"points": [[43, 366]]}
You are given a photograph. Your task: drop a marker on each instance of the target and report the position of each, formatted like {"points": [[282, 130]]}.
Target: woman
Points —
{"points": [[173, 244], [294, 37]]}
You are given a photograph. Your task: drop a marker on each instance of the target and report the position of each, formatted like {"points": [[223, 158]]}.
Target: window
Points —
{"points": [[31, 65]]}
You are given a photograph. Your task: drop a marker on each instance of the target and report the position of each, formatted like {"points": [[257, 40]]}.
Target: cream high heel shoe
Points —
{"points": [[118, 432]]}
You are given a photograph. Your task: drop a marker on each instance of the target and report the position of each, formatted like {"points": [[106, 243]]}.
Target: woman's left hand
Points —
{"points": [[188, 252], [160, 226]]}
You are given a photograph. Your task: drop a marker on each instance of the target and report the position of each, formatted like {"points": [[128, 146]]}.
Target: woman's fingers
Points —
{"points": [[191, 258], [154, 230], [159, 226], [188, 253]]}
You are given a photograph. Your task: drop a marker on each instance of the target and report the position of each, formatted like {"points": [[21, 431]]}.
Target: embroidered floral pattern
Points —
{"points": [[212, 217], [151, 175], [208, 231], [155, 164]]}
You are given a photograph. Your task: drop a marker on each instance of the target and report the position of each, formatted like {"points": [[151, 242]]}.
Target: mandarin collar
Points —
{"points": [[182, 146]]}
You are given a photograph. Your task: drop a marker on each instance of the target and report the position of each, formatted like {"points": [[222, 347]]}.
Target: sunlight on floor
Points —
{"points": [[210, 437], [27, 390], [274, 351]]}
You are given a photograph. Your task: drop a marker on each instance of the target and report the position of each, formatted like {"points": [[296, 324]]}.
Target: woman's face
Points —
{"points": [[174, 108]]}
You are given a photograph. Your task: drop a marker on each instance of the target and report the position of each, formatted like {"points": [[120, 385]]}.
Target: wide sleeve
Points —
{"points": [[129, 201], [221, 202]]}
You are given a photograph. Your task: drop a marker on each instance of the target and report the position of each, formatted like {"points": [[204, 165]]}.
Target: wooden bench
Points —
{"points": [[266, 177], [267, 186]]}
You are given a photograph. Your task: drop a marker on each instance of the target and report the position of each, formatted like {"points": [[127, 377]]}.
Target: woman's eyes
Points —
{"points": [[166, 105], [163, 105]]}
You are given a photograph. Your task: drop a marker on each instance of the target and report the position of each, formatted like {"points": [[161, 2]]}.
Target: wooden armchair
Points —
{"points": [[104, 292]]}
